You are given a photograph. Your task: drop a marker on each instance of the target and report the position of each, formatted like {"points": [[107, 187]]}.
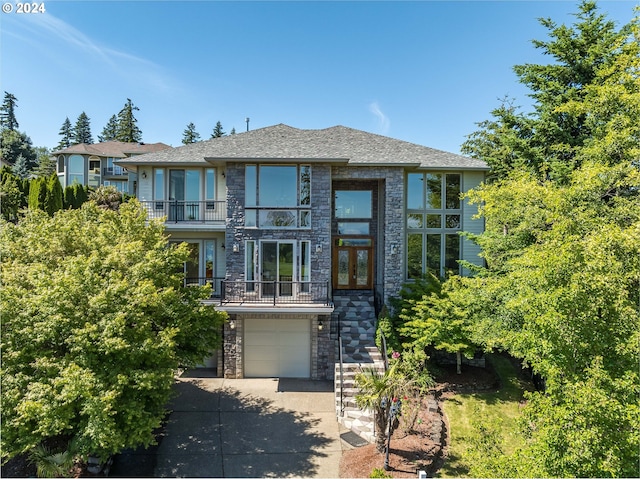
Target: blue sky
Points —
{"points": [[421, 71]]}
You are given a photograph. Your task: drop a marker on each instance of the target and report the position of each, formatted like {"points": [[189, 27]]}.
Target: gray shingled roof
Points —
{"points": [[338, 143], [113, 149]]}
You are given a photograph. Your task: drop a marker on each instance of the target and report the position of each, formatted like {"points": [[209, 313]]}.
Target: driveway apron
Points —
{"points": [[250, 428]]}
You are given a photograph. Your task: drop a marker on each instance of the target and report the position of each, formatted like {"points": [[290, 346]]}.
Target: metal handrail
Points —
{"points": [[180, 211], [341, 377], [276, 292]]}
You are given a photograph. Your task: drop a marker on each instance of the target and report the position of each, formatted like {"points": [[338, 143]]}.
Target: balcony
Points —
{"points": [[205, 212], [114, 171], [269, 295]]}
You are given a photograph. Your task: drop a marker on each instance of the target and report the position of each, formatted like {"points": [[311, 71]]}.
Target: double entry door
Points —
{"points": [[353, 263]]}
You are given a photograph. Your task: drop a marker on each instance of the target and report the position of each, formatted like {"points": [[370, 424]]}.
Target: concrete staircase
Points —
{"points": [[355, 314]]}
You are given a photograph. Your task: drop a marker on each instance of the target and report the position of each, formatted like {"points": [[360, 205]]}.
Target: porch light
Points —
{"points": [[320, 325], [232, 324], [236, 248]]}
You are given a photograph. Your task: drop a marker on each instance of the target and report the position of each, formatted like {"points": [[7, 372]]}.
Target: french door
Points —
{"points": [[353, 264], [277, 267], [184, 193]]}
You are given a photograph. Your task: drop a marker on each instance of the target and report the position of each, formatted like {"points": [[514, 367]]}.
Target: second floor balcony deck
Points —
{"points": [[183, 211], [266, 295]]}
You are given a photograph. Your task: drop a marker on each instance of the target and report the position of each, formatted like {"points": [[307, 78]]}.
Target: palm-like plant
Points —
{"points": [[53, 464], [377, 392]]}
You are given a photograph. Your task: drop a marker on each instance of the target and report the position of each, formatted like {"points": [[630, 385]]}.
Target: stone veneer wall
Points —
{"points": [[319, 234], [391, 221]]}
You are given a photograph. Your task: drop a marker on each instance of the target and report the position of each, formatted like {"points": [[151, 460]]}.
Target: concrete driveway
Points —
{"points": [[250, 428]]}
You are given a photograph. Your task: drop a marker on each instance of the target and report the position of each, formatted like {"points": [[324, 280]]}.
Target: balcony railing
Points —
{"points": [[114, 171], [187, 211], [276, 292]]}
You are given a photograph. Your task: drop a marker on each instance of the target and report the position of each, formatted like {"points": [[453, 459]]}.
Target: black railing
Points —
{"points": [[276, 292], [187, 211], [215, 283]]}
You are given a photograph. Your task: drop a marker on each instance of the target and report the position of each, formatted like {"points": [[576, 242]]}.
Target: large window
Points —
{"points": [[278, 196], [434, 215], [76, 169]]}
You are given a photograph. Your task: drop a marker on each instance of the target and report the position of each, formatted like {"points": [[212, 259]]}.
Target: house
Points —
{"points": [[93, 165], [305, 234]]}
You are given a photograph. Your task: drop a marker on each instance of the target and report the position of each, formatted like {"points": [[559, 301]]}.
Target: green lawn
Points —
{"points": [[500, 407]]}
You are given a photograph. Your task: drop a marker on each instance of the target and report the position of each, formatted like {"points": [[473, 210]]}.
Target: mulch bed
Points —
{"points": [[416, 451]]}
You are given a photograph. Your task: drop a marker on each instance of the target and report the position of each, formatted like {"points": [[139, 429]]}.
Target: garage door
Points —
{"points": [[277, 348]]}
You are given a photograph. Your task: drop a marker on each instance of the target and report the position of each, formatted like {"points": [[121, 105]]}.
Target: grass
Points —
{"points": [[500, 407]]}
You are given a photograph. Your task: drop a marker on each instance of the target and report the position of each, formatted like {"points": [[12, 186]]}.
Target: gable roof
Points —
{"points": [[336, 144], [112, 149]]}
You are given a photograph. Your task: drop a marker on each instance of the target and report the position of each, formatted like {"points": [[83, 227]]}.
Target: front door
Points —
{"points": [[353, 263]]}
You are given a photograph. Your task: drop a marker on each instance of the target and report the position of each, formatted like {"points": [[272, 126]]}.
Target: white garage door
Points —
{"points": [[277, 348]]}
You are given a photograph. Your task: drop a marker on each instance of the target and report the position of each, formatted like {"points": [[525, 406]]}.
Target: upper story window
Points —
{"points": [[76, 169], [61, 164], [434, 212], [278, 196]]}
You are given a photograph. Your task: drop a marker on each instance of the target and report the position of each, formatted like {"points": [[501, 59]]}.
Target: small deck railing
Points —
{"points": [[276, 292], [187, 211]]}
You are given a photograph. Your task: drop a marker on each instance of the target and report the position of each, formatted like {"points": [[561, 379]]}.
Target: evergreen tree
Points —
{"points": [[110, 131], [53, 196], [7, 113], [45, 163], [10, 195], [190, 135], [546, 141], [66, 132], [217, 131], [233, 131], [37, 193], [82, 130], [20, 168], [128, 130]]}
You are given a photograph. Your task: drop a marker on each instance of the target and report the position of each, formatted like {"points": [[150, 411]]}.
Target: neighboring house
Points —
{"points": [[93, 165], [305, 234]]}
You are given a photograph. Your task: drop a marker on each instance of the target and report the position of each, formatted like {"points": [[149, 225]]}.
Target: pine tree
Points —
{"points": [[66, 132], [217, 131], [190, 135], [233, 131], [82, 130], [128, 130], [110, 131], [7, 113], [45, 163]]}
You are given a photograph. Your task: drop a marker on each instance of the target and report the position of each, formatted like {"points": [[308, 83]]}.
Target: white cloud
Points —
{"points": [[383, 121], [86, 53]]}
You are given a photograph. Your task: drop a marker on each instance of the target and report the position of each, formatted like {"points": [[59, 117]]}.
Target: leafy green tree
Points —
{"points": [[94, 325], [127, 129], [82, 130], [8, 119], [110, 131], [437, 321], [14, 144], [190, 135], [217, 131], [66, 132]]}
